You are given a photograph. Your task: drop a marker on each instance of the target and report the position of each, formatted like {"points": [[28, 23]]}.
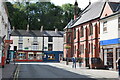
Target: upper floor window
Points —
{"points": [[50, 47], [82, 48], [119, 22], [82, 31], [20, 46], [74, 33], [35, 39], [91, 29], [50, 39], [68, 39], [105, 26], [35, 47], [20, 38]]}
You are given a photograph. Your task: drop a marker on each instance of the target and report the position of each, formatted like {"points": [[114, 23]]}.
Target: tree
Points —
{"points": [[40, 14]]}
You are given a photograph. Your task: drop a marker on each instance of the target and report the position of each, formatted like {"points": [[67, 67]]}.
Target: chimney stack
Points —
{"points": [[28, 28], [13, 28], [56, 30], [41, 29], [89, 2], [75, 9]]}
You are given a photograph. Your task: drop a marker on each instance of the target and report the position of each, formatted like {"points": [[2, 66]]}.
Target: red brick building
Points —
{"points": [[82, 34]]}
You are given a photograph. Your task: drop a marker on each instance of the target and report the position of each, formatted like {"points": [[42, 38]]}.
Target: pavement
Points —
{"points": [[92, 73], [8, 71]]}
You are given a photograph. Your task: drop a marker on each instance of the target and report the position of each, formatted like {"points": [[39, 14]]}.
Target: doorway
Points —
{"points": [[108, 58]]}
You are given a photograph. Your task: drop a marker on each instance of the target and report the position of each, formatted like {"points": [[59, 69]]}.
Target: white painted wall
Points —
{"points": [[4, 30], [112, 28], [57, 43]]}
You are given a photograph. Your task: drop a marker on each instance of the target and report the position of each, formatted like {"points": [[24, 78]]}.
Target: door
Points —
{"points": [[110, 58]]}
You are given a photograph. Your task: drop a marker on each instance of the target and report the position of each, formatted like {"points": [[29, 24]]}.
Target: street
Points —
{"points": [[54, 70]]}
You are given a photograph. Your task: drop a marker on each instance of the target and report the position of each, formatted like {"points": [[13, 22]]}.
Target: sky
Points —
{"points": [[81, 3]]}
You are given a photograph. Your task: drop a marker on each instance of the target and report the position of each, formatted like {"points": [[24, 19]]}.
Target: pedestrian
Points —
{"points": [[118, 61], [74, 62]]}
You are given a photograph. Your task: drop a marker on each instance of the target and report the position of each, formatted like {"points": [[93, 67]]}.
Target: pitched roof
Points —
{"points": [[93, 11], [37, 33]]}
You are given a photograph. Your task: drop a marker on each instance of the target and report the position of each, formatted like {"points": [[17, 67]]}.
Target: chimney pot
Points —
{"points": [[41, 29], [56, 30], [28, 28], [13, 28]]}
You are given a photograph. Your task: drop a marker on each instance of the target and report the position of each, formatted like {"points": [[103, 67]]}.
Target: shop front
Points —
{"points": [[52, 56], [29, 56], [109, 55]]}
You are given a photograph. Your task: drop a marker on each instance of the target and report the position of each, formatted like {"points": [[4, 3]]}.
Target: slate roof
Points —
{"points": [[37, 33], [114, 6], [93, 11]]}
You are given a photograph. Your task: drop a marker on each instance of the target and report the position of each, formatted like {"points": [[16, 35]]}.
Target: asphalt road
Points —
{"points": [[46, 71]]}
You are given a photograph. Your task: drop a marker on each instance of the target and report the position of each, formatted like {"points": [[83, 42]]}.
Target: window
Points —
{"points": [[35, 41], [51, 56], [74, 33], [20, 46], [50, 39], [50, 47], [34, 47], [89, 48], [119, 23], [20, 39], [82, 31], [105, 26], [91, 29], [75, 50], [82, 49], [68, 39]]}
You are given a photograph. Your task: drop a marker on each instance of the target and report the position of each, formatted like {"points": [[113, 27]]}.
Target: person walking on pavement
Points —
{"points": [[74, 62], [118, 61]]}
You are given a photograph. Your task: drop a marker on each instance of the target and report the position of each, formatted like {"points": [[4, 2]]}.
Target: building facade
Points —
{"points": [[4, 33], [31, 44], [83, 35], [110, 40]]}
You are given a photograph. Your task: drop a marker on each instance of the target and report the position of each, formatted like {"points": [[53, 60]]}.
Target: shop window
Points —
{"points": [[21, 56], [51, 56], [31, 57], [39, 57]]}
